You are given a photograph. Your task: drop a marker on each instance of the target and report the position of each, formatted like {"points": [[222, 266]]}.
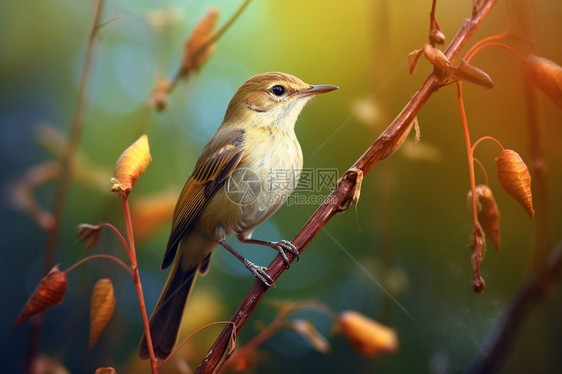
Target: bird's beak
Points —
{"points": [[316, 90]]}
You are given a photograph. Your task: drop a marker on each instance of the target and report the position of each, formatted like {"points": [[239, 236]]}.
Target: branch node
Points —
{"points": [[355, 176]]}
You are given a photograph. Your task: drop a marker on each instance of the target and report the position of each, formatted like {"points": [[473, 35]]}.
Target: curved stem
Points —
{"points": [[486, 138], [482, 168], [92, 257], [501, 36], [119, 235], [481, 47]]}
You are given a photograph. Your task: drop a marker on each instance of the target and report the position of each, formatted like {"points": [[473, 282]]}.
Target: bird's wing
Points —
{"points": [[207, 178]]}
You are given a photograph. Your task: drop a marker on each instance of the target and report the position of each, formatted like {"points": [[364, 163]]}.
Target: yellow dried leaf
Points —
{"points": [[48, 293], [546, 75], [515, 178], [488, 213], [366, 336], [89, 233], [130, 165], [194, 57], [102, 305]]}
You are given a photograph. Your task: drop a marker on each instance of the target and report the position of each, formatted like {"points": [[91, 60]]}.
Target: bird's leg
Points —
{"points": [[280, 246], [259, 272]]}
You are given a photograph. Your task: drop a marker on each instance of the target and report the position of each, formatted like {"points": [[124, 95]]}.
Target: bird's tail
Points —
{"points": [[166, 317]]}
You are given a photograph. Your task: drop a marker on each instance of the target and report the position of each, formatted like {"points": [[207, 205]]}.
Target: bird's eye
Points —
{"points": [[278, 90]]}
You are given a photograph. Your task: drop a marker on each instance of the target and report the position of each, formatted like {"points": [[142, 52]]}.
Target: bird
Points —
{"points": [[244, 174]]}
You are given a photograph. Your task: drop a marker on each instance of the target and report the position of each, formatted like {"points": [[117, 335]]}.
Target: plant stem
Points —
{"points": [[66, 172], [485, 138], [138, 286], [344, 192], [109, 257], [119, 235], [500, 45]]}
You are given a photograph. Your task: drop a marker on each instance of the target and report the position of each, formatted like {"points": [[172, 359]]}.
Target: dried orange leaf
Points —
{"points": [[102, 305], [472, 74], [413, 59], [131, 164], [366, 336], [488, 213], [307, 330], [515, 178], [48, 293], [194, 56], [89, 233], [546, 75]]}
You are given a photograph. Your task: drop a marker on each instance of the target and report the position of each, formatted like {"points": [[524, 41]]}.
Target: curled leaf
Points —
{"points": [[130, 165], [102, 305], [366, 336], [477, 245], [515, 178], [48, 293], [195, 56], [89, 233], [307, 330], [546, 75], [472, 74], [488, 213]]}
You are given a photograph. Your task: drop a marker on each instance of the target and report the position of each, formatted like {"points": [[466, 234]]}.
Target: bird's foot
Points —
{"points": [[283, 246], [260, 272]]}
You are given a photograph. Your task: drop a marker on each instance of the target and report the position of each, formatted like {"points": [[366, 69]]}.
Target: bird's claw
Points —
{"points": [[260, 272], [285, 245]]}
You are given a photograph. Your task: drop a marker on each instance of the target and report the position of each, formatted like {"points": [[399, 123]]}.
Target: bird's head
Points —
{"points": [[272, 99]]}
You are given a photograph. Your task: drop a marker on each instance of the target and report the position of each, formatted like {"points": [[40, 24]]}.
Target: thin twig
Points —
{"points": [[344, 192], [66, 171], [92, 257]]}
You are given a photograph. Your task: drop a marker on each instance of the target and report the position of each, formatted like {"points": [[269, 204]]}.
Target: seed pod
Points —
{"points": [[130, 165], [488, 213], [48, 293], [366, 336], [102, 305], [515, 178], [546, 75]]}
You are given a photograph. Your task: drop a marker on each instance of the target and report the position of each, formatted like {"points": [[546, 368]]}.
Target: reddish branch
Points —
{"points": [[342, 197]]}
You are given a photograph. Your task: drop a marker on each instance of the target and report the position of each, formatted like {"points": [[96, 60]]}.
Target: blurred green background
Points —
{"points": [[410, 228]]}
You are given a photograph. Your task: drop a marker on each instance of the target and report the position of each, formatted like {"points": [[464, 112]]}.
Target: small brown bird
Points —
{"points": [[243, 175]]}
